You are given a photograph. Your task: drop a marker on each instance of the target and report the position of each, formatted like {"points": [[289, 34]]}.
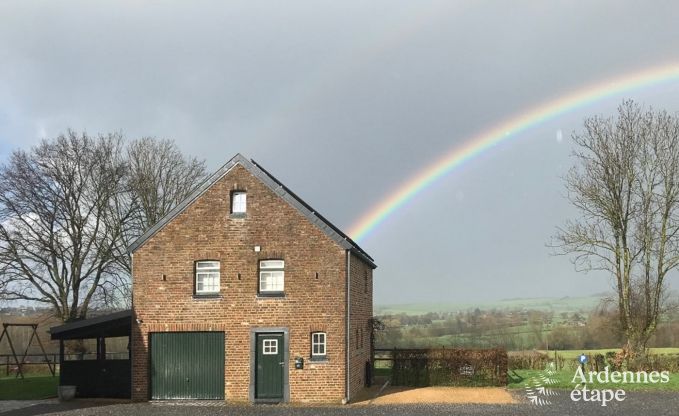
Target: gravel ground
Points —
{"points": [[7, 405], [450, 395], [636, 403]]}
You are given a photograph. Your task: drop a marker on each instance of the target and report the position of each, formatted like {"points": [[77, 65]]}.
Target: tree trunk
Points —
{"points": [[635, 351]]}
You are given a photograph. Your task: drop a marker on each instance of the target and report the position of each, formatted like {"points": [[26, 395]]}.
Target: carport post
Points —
{"points": [[101, 348], [61, 358]]}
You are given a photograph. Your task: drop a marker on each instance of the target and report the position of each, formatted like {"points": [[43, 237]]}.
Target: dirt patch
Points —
{"points": [[404, 395]]}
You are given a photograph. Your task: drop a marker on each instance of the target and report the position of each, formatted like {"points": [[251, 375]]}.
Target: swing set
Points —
{"points": [[22, 362]]}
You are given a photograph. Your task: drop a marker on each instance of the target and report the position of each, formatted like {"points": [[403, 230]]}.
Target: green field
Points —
{"points": [[30, 388], [519, 379], [557, 305]]}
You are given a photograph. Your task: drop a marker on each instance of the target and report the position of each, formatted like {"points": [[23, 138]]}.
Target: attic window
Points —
{"points": [[238, 202]]}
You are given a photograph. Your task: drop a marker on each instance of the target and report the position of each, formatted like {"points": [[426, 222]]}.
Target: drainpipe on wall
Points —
{"points": [[348, 329], [133, 319], [131, 279]]}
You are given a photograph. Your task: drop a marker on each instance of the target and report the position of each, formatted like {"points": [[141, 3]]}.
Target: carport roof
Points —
{"points": [[118, 324]]}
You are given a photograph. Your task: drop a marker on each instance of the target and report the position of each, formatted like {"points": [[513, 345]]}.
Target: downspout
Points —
{"points": [[348, 329], [131, 280], [133, 318]]}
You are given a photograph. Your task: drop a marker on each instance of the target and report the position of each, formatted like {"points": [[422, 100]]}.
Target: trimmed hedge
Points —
{"points": [[449, 367]]}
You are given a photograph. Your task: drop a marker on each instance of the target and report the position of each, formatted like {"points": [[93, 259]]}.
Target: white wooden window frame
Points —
{"points": [[271, 276], [239, 202], [318, 344], [207, 277], [270, 347]]}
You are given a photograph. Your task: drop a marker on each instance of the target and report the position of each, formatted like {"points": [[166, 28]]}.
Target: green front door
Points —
{"points": [[187, 365], [270, 366]]}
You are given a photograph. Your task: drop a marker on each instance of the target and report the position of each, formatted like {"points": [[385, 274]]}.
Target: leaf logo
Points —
{"points": [[537, 393]]}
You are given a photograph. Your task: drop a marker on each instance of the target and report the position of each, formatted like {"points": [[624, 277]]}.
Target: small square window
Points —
{"points": [[318, 345], [207, 277], [238, 202], [270, 347]]}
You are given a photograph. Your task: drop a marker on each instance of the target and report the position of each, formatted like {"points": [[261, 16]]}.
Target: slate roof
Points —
{"points": [[278, 188]]}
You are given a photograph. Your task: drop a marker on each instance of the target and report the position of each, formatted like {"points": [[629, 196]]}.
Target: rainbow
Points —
{"points": [[486, 140]]}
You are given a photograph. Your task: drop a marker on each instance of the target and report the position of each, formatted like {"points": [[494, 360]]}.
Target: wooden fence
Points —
{"points": [[442, 366], [98, 378], [34, 361], [30, 360]]}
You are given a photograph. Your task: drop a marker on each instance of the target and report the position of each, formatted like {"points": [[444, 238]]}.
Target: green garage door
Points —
{"points": [[187, 365]]}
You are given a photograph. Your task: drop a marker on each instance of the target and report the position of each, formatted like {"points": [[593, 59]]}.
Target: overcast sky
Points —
{"points": [[344, 101]]}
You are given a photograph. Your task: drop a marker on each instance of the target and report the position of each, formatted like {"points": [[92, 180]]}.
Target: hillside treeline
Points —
{"points": [[514, 330]]}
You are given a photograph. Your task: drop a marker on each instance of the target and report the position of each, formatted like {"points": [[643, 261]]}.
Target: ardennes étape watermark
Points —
{"points": [[606, 395]]}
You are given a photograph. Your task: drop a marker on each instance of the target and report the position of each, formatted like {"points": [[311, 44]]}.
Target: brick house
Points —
{"points": [[244, 293]]}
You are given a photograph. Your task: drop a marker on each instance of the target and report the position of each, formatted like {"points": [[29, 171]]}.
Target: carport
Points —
{"points": [[99, 377]]}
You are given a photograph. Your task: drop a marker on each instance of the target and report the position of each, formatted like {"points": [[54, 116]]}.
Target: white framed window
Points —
{"points": [[270, 347], [318, 344], [207, 277], [271, 276], [238, 202]]}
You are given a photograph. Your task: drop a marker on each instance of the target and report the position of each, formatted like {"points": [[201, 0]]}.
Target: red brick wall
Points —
{"points": [[361, 311], [206, 231]]}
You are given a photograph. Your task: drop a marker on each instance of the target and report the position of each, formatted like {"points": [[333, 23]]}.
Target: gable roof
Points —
{"points": [[277, 187]]}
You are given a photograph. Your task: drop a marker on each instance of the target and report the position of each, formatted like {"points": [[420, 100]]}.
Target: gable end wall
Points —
{"points": [[205, 230]]}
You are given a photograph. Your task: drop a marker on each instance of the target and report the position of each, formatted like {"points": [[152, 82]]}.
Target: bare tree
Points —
{"points": [[158, 177], [3, 291], [55, 247], [70, 207], [625, 185]]}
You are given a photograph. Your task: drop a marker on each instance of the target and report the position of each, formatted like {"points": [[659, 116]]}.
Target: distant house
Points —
{"points": [[244, 292]]}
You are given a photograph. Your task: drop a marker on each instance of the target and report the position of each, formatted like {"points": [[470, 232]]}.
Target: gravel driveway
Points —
{"points": [[637, 403]]}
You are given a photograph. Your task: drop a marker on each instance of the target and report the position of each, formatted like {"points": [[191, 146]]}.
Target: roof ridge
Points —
{"points": [[312, 210], [276, 186]]}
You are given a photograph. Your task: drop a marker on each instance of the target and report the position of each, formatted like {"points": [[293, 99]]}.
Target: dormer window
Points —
{"points": [[238, 202]]}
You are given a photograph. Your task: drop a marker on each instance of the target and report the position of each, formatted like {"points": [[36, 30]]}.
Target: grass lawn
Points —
{"points": [[519, 379], [30, 388]]}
